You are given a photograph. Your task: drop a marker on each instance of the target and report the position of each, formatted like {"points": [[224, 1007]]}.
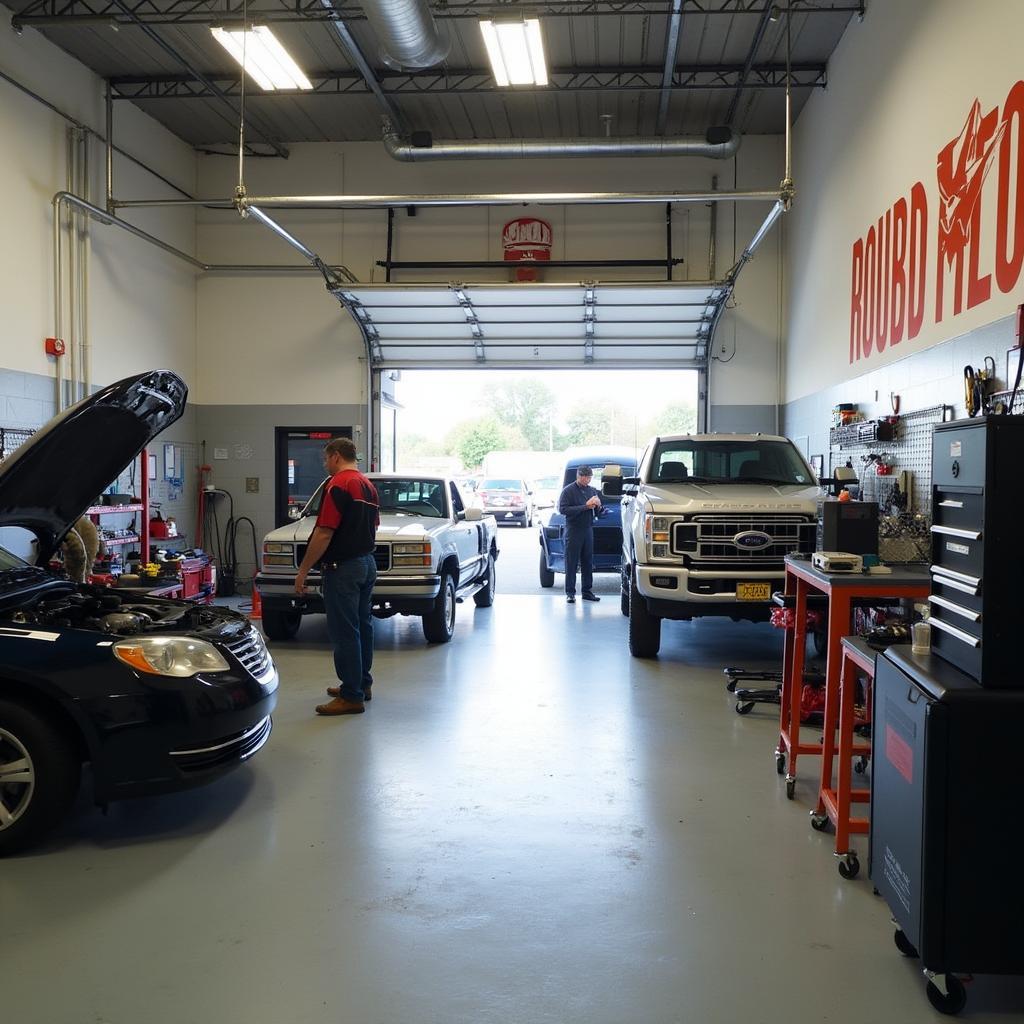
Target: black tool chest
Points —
{"points": [[978, 547], [945, 838]]}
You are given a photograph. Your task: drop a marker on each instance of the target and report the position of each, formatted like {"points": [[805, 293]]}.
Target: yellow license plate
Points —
{"points": [[753, 591]]}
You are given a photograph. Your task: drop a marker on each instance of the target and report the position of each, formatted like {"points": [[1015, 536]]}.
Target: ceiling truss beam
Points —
{"points": [[55, 13], [462, 82]]}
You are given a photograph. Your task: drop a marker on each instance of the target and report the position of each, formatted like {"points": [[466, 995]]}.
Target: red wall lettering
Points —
{"points": [[870, 264], [856, 299], [1009, 258], [899, 275], [918, 259]]}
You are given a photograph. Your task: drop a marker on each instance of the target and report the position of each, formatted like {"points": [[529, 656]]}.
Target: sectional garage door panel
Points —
{"points": [[536, 325]]}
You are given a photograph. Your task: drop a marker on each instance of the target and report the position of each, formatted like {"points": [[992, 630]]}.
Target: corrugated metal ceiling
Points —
{"points": [[442, 101]]}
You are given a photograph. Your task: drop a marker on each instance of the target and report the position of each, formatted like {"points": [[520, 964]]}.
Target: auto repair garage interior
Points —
{"points": [[818, 207]]}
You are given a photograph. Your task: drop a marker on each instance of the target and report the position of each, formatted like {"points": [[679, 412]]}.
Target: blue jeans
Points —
{"points": [[348, 591], [579, 550]]}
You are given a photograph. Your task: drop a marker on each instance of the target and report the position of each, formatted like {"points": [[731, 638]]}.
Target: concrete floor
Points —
{"points": [[526, 826]]}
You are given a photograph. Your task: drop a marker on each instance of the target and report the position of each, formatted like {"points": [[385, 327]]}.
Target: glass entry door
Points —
{"points": [[299, 468]]}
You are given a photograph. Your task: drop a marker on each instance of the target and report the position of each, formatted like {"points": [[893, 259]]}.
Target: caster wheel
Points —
{"points": [[819, 822], [849, 866], [861, 766], [780, 763], [731, 686], [953, 1000], [790, 788], [744, 708], [903, 944]]}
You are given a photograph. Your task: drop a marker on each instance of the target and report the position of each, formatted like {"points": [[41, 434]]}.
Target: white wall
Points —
{"points": [[901, 85], [142, 301], [273, 340]]}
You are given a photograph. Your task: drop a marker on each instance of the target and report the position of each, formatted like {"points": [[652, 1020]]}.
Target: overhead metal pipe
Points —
{"points": [[408, 35], [718, 144], [62, 199], [675, 26], [383, 202], [110, 147]]}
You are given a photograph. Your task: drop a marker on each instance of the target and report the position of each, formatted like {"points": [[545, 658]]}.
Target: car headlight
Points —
{"points": [[278, 549], [411, 560], [170, 656], [411, 549], [278, 560]]}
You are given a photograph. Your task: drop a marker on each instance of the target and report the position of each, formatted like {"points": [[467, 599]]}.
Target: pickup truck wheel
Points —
{"points": [[439, 622], [485, 598], [547, 576], [281, 625], [644, 628], [39, 775], [624, 592]]}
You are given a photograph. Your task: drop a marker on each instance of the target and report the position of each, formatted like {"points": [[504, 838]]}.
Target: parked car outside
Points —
{"points": [[605, 462], [157, 695], [508, 499], [546, 491]]}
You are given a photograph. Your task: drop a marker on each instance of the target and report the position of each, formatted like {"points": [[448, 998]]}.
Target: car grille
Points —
{"points": [[251, 650], [229, 750], [709, 538], [382, 556]]}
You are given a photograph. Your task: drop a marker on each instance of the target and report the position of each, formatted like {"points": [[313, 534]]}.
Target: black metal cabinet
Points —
{"points": [[946, 836], [977, 549]]}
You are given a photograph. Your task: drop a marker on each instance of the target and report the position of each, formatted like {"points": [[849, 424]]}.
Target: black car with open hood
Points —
{"points": [[157, 695]]}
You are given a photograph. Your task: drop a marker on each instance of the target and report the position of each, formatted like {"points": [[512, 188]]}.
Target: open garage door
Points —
{"points": [[540, 326]]}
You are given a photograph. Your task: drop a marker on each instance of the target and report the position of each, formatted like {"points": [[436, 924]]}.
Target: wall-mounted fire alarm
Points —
{"points": [[54, 346]]}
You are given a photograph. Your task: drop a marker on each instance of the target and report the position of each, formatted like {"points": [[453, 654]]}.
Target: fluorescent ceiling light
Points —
{"points": [[263, 57], [516, 51]]}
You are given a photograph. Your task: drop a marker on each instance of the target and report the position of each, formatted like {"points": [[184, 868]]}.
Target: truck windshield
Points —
{"points": [[729, 462], [412, 497]]}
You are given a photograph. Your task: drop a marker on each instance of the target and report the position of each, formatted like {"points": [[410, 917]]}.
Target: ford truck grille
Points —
{"points": [[710, 538], [382, 556]]}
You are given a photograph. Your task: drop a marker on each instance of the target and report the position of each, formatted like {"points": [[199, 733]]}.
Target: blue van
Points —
{"points": [[607, 527]]}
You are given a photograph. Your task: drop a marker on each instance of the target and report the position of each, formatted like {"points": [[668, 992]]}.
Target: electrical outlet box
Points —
{"points": [[220, 453], [252, 485]]}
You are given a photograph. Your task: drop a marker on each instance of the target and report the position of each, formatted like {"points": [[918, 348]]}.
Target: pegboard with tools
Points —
{"points": [[910, 449]]}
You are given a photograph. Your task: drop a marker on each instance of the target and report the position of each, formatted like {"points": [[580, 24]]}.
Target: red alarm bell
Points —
{"points": [[54, 346]]}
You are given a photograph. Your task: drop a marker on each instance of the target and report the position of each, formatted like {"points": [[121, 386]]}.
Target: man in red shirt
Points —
{"points": [[343, 542]]}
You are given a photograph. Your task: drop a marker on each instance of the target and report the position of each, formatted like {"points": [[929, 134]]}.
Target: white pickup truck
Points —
{"points": [[432, 552], [706, 525]]}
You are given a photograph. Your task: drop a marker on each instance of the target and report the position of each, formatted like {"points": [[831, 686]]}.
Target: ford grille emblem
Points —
{"points": [[752, 540]]}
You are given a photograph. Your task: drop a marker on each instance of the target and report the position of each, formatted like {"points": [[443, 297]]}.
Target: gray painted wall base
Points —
{"points": [[742, 419]]}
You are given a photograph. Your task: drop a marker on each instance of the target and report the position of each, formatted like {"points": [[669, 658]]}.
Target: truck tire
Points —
{"points": [[547, 576], [485, 598], [644, 628], [39, 775], [281, 625], [624, 591], [439, 622]]}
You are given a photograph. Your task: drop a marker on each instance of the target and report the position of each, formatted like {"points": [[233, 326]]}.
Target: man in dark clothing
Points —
{"points": [[343, 542], [579, 503]]}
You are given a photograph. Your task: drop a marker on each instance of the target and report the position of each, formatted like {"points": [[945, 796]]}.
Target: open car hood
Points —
{"points": [[49, 482]]}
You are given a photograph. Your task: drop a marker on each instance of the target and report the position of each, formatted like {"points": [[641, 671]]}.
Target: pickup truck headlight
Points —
{"points": [[411, 549], [278, 549], [170, 656], [656, 529], [288, 560]]}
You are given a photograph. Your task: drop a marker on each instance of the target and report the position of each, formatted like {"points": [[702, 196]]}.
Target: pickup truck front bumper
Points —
{"points": [[404, 594], [674, 592]]}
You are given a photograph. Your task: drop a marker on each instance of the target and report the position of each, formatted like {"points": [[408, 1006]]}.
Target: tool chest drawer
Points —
{"points": [[978, 547]]}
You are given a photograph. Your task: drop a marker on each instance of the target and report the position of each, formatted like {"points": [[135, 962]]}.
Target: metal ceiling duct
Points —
{"points": [[718, 144], [408, 35]]}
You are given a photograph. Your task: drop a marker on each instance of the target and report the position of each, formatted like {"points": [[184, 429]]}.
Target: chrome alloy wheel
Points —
{"points": [[17, 779]]}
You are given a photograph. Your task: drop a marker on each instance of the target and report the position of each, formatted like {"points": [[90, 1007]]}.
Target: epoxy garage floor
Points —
{"points": [[526, 826]]}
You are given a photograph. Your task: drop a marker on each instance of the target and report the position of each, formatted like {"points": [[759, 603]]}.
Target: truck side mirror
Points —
{"points": [[611, 487], [472, 515]]}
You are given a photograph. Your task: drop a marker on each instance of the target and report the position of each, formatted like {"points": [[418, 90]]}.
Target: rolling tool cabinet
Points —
{"points": [[976, 547], [945, 847]]}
